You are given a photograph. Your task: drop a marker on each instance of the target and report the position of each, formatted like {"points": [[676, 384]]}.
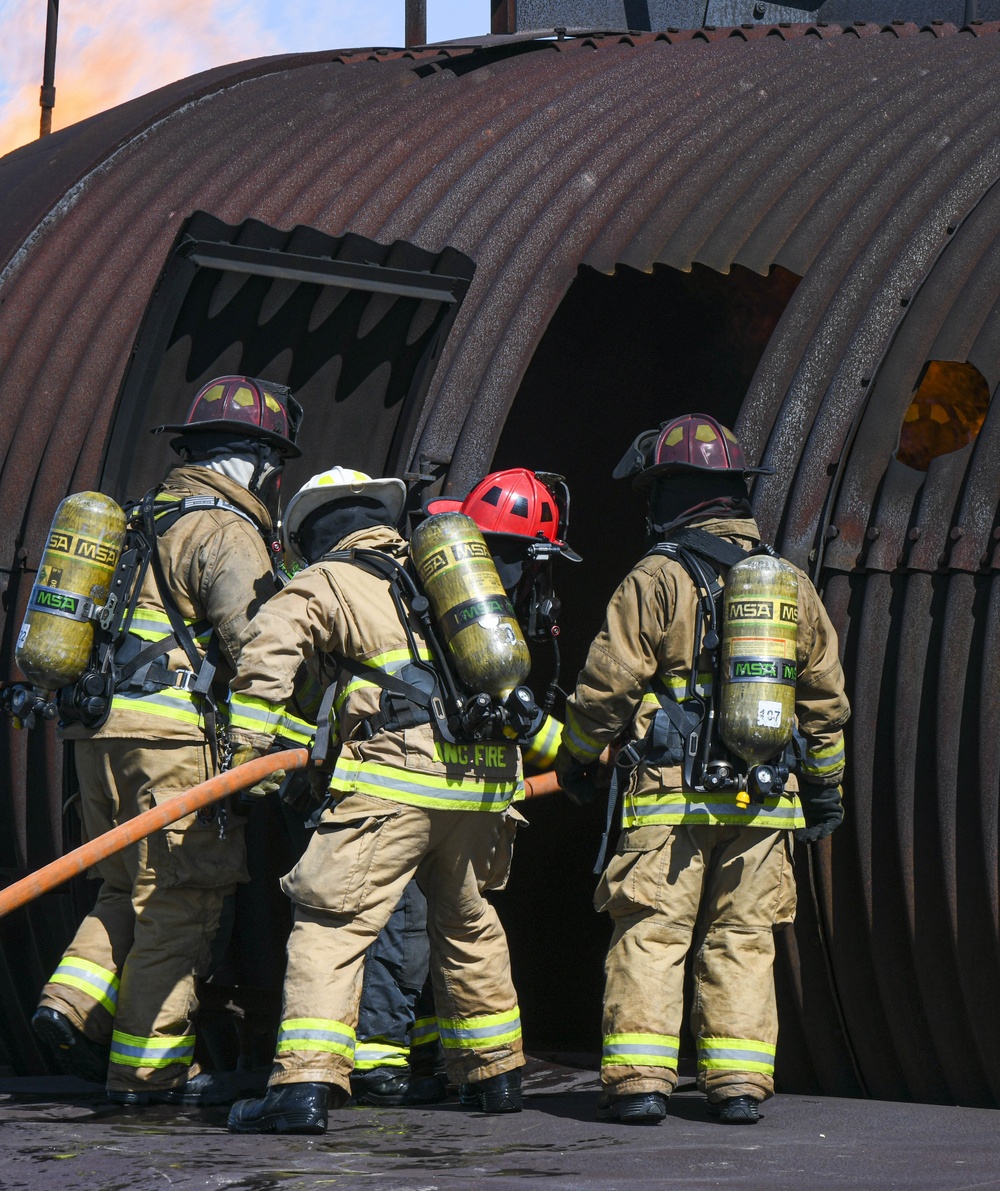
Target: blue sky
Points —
{"points": [[113, 50]]}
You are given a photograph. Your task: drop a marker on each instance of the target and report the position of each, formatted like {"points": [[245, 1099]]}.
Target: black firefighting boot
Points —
{"points": [[633, 1108], [736, 1110], [391, 1087], [499, 1093], [287, 1108], [205, 1088], [74, 1053]]}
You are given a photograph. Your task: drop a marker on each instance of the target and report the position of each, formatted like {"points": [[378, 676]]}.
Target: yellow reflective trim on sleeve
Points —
{"points": [[541, 749], [579, 743], [253, 714]]}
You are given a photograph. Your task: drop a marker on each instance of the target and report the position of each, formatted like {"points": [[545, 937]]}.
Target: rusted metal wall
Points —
{"points": [[862, 160]]}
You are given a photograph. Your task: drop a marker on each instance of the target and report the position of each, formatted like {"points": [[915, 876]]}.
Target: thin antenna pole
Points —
{"points": [[416, 22], [47, 99]]}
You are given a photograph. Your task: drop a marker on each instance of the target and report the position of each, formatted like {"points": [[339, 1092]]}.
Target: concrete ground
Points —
{"points": [[61, 1134]]}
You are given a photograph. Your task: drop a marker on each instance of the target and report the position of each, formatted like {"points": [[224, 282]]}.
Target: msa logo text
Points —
{"points": [[751, 610]]}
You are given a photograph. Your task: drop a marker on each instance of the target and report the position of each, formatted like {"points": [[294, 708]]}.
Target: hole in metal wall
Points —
{"points": [[947, 412]]}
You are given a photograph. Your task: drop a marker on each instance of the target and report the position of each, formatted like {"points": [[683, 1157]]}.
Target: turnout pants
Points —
{"points": [[345, 887], [128, 978], [722, 891], [396, 967]]}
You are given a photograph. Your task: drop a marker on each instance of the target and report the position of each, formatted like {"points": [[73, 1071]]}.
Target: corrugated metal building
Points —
{"points": [[524, 252]]}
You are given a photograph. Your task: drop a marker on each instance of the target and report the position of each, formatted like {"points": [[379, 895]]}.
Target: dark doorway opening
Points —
{"points": [[621, 354]]}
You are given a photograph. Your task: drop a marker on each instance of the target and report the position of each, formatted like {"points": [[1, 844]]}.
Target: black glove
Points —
{"points": [[823, 809], [576, 777]]}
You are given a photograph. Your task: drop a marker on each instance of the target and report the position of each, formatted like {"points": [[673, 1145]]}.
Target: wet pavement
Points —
{"points": [[61, 1134]]}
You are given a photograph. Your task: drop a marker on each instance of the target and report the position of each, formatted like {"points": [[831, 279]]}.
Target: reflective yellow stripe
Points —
{"points": [[253, 714], [424, 1031], [735, 1054], [130, 1050], [416, 788], [675, 686], [390, 662], [480, 1033], [317, 1033], [582, 746], [151, 625], [90, 978], [376, 1052], [541, 749], [825, 761], [640, 1050], [669, 809], [172, 705]]}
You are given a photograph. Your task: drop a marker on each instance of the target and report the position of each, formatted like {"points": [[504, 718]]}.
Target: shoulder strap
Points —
{"points": [[716, 550]]}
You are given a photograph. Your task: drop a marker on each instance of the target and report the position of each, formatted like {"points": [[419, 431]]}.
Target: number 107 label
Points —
{"points": [[768, 714]]}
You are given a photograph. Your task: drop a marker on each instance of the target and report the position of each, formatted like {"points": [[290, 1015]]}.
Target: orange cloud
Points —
{"points": [[112, 50]]}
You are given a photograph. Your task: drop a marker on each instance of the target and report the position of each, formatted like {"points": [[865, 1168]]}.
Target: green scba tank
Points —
{"points": [[468, 600], [759, 670], [79, 561]]}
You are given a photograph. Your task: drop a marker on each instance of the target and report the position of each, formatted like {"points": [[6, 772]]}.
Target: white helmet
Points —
{"points": [[335, 484]]}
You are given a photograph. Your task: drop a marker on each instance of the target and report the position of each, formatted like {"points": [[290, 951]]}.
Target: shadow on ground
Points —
{"points": [[62, 1134]]}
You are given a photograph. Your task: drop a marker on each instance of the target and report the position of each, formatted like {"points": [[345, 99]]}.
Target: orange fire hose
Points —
{"points": [[540, 785], [75, 863], [80, 859]]}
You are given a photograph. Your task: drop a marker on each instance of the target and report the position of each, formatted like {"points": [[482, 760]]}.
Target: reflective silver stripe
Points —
{"points": [[129, 1050], [543, 745], [424, 1031], [580, 743], [420, 788], [381, 1054], [784, 815], [316, 1036], [480, 1033], [821, 764], [631, 1048]]}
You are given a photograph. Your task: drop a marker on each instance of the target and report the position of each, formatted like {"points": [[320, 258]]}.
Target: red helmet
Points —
{"points": [[692, 443], [517, 503], [260, 408]]}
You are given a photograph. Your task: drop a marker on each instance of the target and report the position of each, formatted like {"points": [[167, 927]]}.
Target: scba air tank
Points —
{"points": [[471, 607], [81, 554], [758, 667]]}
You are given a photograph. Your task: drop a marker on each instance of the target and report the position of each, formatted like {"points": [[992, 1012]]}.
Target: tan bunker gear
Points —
{"points": [[128, 977], [406, 803], [695, 868]]}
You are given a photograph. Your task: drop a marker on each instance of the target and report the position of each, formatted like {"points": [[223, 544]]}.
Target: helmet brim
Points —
{"points": [[645, 480], [442, 504], [287, 448]]}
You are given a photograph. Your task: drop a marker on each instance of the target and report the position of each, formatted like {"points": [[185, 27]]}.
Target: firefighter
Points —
{"points": [[404, 802], [523, 516], [121, 1002], [697, 865]]}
